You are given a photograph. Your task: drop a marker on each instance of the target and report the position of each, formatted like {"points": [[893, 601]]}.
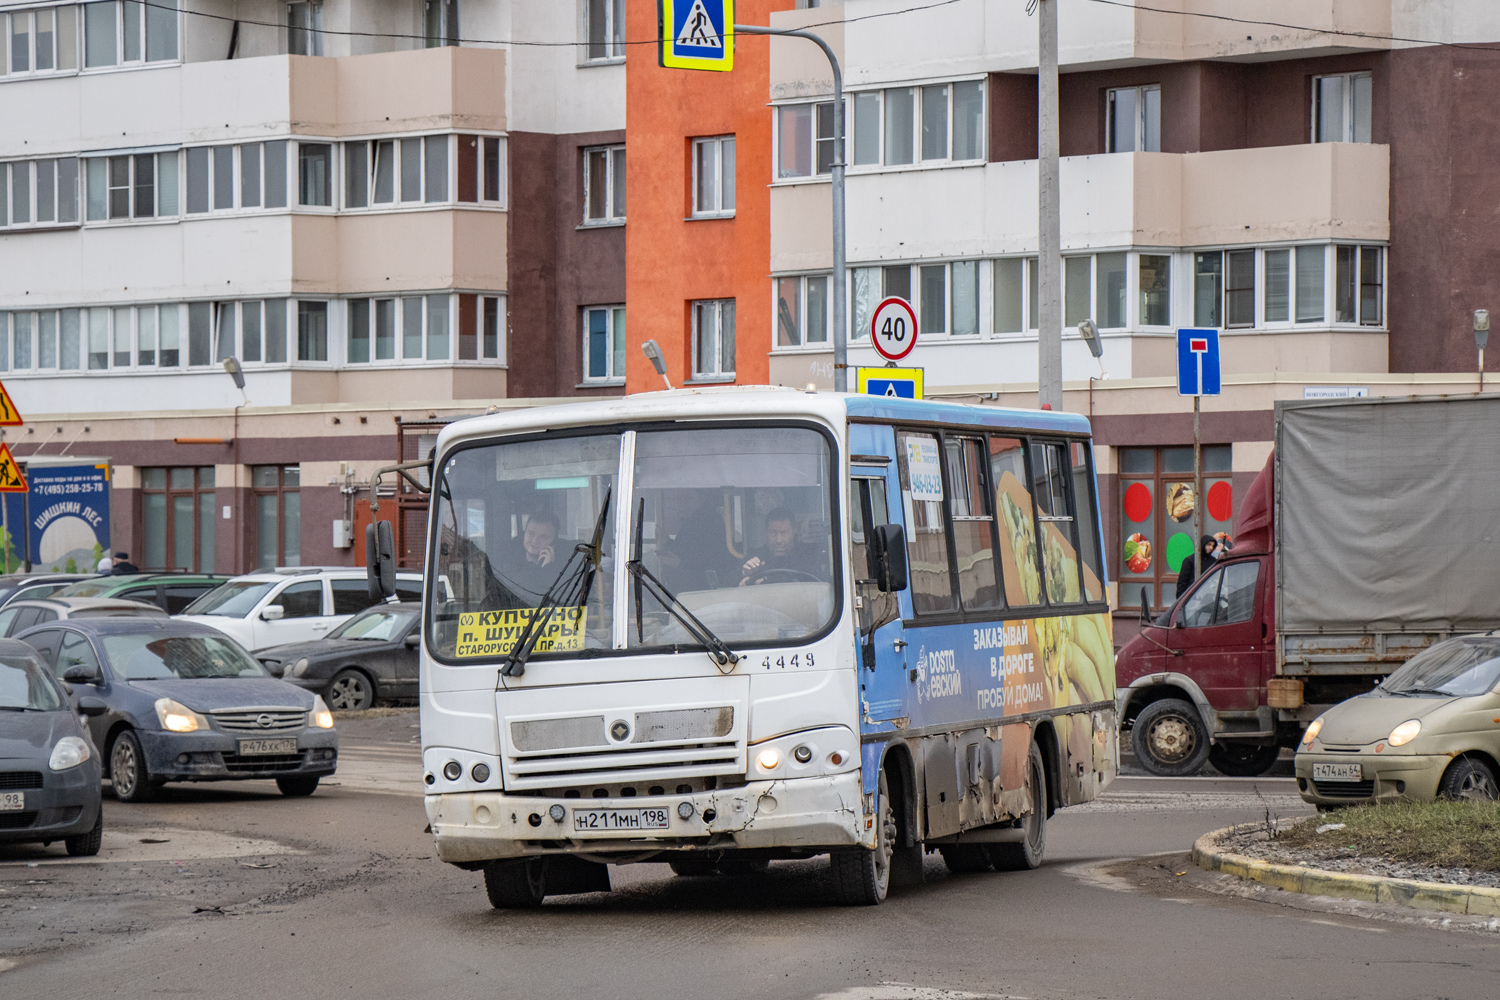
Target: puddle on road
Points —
{"points": [[140, 845]]}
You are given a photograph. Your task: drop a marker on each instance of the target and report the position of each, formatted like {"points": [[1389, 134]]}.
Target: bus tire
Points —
{"points": [[515, 885], [967, 858], [694, 868], [1169, 738], [1027, 853], [861, 877]]}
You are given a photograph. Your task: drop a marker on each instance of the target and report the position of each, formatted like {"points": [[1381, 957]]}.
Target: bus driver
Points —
{"points": [[784, 558]]}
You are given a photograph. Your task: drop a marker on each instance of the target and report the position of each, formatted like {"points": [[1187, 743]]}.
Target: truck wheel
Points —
{"points": [[861, 877], [1028, 853], [515, 885], [1169, 738], [1241, 760], [1467, 778]]}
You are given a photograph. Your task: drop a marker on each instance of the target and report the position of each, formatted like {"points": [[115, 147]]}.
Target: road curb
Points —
{"points": [[1474, 900]]}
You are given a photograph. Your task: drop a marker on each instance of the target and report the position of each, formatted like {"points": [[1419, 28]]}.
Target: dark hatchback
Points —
{"points": [[372, 655], [49, 772], [186, 703]]}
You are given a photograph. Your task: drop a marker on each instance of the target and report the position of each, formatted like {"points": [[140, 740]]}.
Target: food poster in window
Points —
{"points": [[63, 519], [1177, 517]]}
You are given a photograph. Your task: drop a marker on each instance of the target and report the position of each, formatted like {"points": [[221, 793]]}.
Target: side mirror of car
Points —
{"points": [[92, 707], [272, 612], [275, 669], [1145, 607], [380, 560], [414, 639], [888, 552], [79, 674]]}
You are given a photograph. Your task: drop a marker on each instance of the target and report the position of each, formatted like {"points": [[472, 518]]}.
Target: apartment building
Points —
{"points": [[381, 210], [1318, 193]]}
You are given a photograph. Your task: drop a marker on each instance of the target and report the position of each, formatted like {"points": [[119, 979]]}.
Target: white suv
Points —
{"points": [[291, 604]]}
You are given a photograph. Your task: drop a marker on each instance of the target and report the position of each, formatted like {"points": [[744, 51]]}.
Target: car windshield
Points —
{"points": [[735, 522], [235, 599], [377, 624], [25, 686], [87, 588], [1458, 668], [147, 656]]}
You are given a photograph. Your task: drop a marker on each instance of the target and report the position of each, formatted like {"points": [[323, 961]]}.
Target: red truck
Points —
{"points": [[1369, 536]]}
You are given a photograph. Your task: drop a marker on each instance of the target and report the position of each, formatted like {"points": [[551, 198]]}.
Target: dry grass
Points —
{"points": [[1451, 834]]}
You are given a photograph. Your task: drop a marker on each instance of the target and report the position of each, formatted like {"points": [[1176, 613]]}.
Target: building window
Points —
{"points": [[1156, 516], [606, 29], [804, 139], [604, 344], [713, 177], [1310, 268], [713, 339], [421, 326], [1208, 289], [140, 186], [440, 22], [481, 165], [1358, 285], [312, 331], [604, 184], [39, 41], [278, 515], [1155, 275], [1110, 294], [314, 173], [415, 170], [1134, 120], [896, 126], [40, 193], [121, 32], [802, 311], [1015, 294], [1341, 108], [304, 29], [177, 519], [211, 177]]}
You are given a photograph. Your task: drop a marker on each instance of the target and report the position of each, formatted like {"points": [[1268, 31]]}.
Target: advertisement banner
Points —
{"points": [[65, 517]]}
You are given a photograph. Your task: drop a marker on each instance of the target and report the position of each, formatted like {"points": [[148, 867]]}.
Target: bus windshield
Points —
{"points": [[735, 522]]}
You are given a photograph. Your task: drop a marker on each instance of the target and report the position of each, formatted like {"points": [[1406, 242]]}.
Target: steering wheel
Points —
{"points": [[783, 573]]}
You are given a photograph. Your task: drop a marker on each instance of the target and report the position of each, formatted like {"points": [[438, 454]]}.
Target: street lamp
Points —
{"points": [[652, 350], [1481, 338], [1089, 331]]}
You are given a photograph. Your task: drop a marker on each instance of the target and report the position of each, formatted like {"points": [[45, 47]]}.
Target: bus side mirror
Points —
{"points": [[889, 549], [380, 560]]}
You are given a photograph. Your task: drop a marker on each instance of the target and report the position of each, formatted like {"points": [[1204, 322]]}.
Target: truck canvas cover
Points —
{"points": [[1388, 515]]}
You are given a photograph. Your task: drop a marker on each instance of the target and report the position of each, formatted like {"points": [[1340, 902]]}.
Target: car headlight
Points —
{"points": [[320, 715], [1313, 730], [69, 752], [175, 717], [1404, 733], [299, 668]]}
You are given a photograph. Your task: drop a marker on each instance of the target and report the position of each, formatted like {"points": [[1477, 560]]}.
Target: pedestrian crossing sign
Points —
{"points": [[899, 383], [696, 34], [12, 479]]}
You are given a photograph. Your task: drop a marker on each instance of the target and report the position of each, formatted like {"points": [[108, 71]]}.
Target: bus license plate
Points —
{"points": [[250, 748], [12, 801], [619, 819], [1338, 772]]}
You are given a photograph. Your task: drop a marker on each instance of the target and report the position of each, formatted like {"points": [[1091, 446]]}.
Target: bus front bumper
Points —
{"points": [[821, 812]]}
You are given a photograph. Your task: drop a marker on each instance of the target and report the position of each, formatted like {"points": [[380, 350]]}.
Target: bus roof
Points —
{"points": [[758, 402]]}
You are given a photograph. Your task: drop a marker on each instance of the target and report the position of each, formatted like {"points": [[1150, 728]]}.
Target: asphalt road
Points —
{"points": [[231, 891]]}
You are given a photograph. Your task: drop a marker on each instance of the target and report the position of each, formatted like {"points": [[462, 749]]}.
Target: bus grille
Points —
{"points": [[665, 743]]}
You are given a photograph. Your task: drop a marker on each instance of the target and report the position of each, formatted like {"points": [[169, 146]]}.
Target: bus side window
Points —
{"points": [[1088, 530], [867, 509], [927, 536], [1055, 511], [971, 514], [1016, 522]]}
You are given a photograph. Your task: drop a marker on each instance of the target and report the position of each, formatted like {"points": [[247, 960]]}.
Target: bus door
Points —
{"points": [[884, 684]]}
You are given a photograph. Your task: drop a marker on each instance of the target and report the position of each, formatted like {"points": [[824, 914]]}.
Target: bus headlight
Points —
{"points": [[768, 759], [806, 754]]}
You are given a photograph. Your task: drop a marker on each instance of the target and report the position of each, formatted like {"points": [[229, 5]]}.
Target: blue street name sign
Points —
{"points": [[1198, 363]]}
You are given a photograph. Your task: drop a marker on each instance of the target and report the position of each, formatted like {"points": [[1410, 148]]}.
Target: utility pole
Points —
{"points": [[1049, 250]]}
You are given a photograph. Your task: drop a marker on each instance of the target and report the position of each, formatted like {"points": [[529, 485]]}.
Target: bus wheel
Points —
{"points": [[860, 877], [1027, 853], [515, 885], [1169, 738], [964, 858], [694, 868]]}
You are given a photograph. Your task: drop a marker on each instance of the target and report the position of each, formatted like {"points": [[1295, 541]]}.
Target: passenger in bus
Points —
{"points": [[784, 559], [532, 564]]}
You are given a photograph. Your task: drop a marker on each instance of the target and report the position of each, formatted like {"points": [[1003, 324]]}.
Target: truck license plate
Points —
{"points": [[619, 819], [249, 748], [1338, 772], [12, 801]]}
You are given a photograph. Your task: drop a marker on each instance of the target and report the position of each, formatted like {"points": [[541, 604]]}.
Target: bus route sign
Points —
{"points": [[695, 34], [893, 329]]}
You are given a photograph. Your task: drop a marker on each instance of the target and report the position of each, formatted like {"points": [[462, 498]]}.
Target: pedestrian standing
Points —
{"points": [[1208, 546]]}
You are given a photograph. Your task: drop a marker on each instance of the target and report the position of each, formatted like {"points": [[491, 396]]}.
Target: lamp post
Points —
{"points": [[1481, 338], [652, 350]]}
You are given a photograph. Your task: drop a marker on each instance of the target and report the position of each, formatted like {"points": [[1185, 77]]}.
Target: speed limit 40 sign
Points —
{"points": [[893, 331]]}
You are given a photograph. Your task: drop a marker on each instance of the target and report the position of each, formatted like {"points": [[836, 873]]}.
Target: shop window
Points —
{"points": [[177, 518], [1157, 504], [278, 514]]}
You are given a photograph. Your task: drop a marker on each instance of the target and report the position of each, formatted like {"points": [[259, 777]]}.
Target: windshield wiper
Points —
{"points": [[573, 581], [718, 651]]}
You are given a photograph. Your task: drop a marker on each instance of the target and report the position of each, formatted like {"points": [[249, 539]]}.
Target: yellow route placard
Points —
{"points": [[495, 633]]}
